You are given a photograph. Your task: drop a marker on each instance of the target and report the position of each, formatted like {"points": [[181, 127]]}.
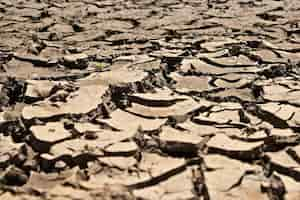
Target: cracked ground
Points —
{"points": [[149, 100]]}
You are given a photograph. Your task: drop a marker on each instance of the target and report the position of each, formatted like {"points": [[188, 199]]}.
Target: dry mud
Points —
{"points": [[169, 99]]}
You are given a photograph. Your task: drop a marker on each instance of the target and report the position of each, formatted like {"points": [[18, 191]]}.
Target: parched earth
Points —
{"points": [[148, 99]]}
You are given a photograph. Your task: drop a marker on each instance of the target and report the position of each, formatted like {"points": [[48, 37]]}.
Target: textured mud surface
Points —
{"points": [[169, 99]]}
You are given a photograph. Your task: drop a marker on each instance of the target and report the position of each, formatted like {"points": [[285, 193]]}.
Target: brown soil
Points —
{"points": [[169, 99]]}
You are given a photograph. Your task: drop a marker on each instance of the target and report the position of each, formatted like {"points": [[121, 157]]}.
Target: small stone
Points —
{"points": [[90, 135], [15, 176], [60, 165], [76, 61], [59, 96], [4, 160], [68, 125]]}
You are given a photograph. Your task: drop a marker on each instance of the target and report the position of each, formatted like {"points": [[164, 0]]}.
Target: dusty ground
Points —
{"points": [[168, 99]]}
